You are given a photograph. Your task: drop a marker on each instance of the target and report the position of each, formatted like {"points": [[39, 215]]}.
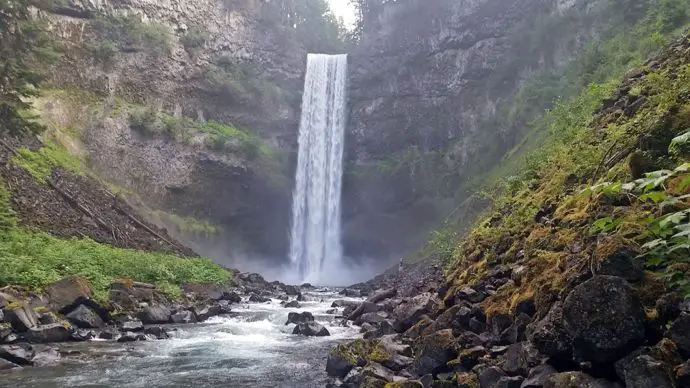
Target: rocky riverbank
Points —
{"points": [[32, 324]]}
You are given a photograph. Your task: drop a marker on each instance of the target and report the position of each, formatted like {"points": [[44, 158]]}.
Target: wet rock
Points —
{"points": [[311, 329], [65, 292], [679, 333], [258, 299], [408, 313], [538, 376], [397, 362], [664, 351], [205, 312], [383, 328], [332, 311], [624, 263], [424, 325], [467, 380], [292, 290], [682, 373], [5, 330], [490, 377], [468, 358], [131, 337], [20, 354], [344, 357], [56, 332], [499, 323], [377, 371], [298, 318], [645, 371], [575, 380], [81, 335], [371, 318], [434, 351], [183, 317], [155, 314], [46, 357], [549, 336], [134, 325], [11, 339], [526, 307], [157, 332], [306, 285], [47, 318], [381, 295], [108, 334], [476, 325], [22, 318], [604, 317], [516, 332], [520, 357], [7, 365], [84, 318], [510, 382], [668, 306], [345, 303], [350, 293], [364, 308], [293, 304]]}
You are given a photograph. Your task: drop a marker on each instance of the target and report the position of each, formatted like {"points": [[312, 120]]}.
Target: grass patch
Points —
{"points": [[40, 164], [37, 259], [8, 219]]}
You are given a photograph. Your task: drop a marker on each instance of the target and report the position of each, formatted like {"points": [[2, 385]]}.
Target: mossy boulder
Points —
{"points": [[467, 380], [65, 292], [342, 358], [434, 351], [405, 384]]}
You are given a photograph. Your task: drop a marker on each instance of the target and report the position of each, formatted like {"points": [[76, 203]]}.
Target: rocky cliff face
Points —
{"points": [[426, 79], [234, 62]]}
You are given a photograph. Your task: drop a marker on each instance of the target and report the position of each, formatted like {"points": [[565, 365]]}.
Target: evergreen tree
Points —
{"points": [[24, 46]]}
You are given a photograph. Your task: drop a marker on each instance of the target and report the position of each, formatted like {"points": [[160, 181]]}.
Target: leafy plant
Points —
{"points": [[604, 225], [8, 219], [194, 38]]}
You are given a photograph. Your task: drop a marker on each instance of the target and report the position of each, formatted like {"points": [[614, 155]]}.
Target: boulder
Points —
{"points": [[66, 291], [5, 330], [292, 304], [468, 358], [7, 365], [157, 332], [84, 318], [645, 371], [47, 318], [134, 325], [292, 290], [381, 295], [376, 371], [205, 312], [46, 357], [56, 332], [344, 357], [129, 336], [665, 351], [81, 335], [469, 295], [624, 263], [538, 376], [397, 362], [549, 336], [332, 311], [520, 357], [605, 319], [679, 333], [20, 354], [383, 328], [364, 308], [371, 318], [575, 380], [510, 382], [408, 313], [344, 303], [500, 323], [109, 334], [22, 318], [311, 329], [183, 317], [517, 331], [434, 351], [258, 299], [467, 380], [489, 377], [350, 293], [298, 318], [155, 314]]}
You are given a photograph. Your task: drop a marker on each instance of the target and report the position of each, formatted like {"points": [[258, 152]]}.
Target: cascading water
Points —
{"points": [[315, 235]]}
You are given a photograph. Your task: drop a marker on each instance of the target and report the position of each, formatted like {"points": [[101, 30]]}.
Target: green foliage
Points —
{"points": [[8, 219], [25, 48], [315, 26], [443, 244], [604, 225], [39, 164], [130, 32], [194, 38], [104, 50], [145, 120], [37, 259]]}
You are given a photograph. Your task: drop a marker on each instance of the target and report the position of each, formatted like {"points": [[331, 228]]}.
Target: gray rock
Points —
{"points": [[679, 333], [371, 318], [132, 337], [298, 318], [510, 382], [575, 380], [469, 295], [624, 263], [156, 332], [377, 371], [311, 329], [205, 312], [56, 332], [538, 376], [47, 318], [397, 362], [5, 330], [64, 293], [108, 334], [382, 329], [408, 313], [549, 336], [292, 290], [258, 299], [344, 303], [134, 325], [490, 377], [434, 351], [381, 295], [292, 304], [20, 354], [81, 335], [8, 365], [46, 357], [645, 371], [21, 318], [155, 314], [604, 317], [183, 317], [364, 308], [85, 318]]}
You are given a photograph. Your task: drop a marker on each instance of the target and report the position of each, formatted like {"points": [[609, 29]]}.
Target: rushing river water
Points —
{"points": [[253, 348]]}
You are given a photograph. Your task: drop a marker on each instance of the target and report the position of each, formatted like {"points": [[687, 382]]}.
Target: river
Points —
{"points": [[251, 348]]}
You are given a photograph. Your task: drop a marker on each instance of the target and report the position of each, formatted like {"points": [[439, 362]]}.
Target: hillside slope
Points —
{"points": [[578, 276]]}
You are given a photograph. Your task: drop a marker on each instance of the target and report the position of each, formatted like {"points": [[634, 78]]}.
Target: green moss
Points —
{"points": [[41, 163], [35, 260], [361, 350]]}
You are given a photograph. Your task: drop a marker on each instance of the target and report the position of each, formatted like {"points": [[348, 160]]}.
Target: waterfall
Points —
{"points": [[315, 235]]}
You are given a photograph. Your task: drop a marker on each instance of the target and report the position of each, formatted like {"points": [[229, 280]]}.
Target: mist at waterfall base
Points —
{"points": [[316, 253]]}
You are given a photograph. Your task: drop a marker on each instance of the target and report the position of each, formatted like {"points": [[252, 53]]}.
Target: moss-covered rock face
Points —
{"points": [[433, 351], [344, 357], [405, 384]]}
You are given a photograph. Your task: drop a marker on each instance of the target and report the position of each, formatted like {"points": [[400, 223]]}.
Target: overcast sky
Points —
{"points": [[341, 8]]}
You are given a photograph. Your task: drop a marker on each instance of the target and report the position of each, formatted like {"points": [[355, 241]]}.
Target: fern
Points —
{"points": [[8, 219]]}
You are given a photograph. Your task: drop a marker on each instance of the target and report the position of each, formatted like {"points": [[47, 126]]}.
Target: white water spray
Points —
{"points": [[315, 236]]}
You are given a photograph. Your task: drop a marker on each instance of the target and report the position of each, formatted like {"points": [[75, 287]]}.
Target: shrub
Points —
{"points": [[8, 219], [145, 120], [135, 33], [104, 50]]}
